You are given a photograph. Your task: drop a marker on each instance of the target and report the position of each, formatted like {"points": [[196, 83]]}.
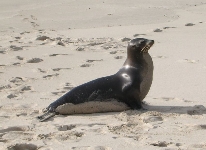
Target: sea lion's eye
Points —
{"points": [[141, 42]]}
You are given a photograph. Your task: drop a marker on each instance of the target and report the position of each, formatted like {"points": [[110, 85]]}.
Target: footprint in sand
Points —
{"points": [[42, 71], [15, 128], [161, 144], [113, 52], [159, 57], [15, 48], [168, 27], [125, 39], [50, 76], [90, 61], [34, 24], [2, 66], [86, 65], [199, 146], [33, 17], [66, 127], [10, 96], [58, 93], [3, 50], [149, 119], [68, 86], [23, 146], [20, 58], [5, 87], [12, 133], [66, 135], [26, 88], [35, 60], [157, 30], [17, 80], [191, 61], [57, 54], [135, 35], [189, 24], [16, 64], [80, 49], [118, 57], [42, 38], [58, 69], [92, 148]]}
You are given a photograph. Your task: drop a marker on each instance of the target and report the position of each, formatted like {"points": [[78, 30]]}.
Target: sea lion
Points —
{"points": [[121, 91]]}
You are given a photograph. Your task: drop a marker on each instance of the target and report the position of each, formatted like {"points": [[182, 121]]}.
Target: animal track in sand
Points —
{"points": [[42, 38], [86, 65], [66, 127], [149, 119], [90, 61], [66, 87], [20, 58], [113, 52], [33, 17], [189, 24], [92, 148], [80, 49], [10, 96], [50, 76], [42, 71], [131, 130], [15, 48], [58, 69], [160, 144], [57, 54], [35, 60], [15, 128], [157, 30], [20, 79], [135, 35], [62, 136], [26, 88], [191, 61], [199, 146], [172, 99], [12, 135], [159, 57], [58, 93], [118, 57], [168, 27], [23, 146], [5, 87], [125, 39]]}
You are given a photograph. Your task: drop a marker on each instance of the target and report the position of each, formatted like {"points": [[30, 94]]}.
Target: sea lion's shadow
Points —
{"points": [[190, 110]]}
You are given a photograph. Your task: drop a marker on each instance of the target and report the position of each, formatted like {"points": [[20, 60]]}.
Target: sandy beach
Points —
{"points": [[49, 47]]}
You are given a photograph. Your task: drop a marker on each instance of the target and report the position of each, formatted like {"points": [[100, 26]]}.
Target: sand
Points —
{"points": [[49, 47]]}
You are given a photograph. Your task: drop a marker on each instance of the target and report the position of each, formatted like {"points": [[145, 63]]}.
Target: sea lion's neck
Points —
{"points": [[134, 60]]}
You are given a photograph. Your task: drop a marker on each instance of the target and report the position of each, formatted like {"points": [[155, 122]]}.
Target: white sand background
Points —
{"points": [[83, 42]]}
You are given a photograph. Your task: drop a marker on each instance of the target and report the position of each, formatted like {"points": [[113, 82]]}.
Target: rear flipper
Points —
{"points": [[47, 114]]}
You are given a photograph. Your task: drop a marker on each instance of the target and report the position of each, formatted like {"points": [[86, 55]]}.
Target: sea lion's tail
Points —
{"points": [[47, 114]]}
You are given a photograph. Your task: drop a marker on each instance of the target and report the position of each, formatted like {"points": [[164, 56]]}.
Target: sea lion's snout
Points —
{"points": [[150, 43], [147, 46]]}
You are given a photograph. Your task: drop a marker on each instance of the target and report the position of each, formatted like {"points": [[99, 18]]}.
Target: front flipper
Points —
{"points": [[47, 114]]}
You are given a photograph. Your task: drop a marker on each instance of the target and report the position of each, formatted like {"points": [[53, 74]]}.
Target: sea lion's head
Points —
{"points": [[140, 45]]}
